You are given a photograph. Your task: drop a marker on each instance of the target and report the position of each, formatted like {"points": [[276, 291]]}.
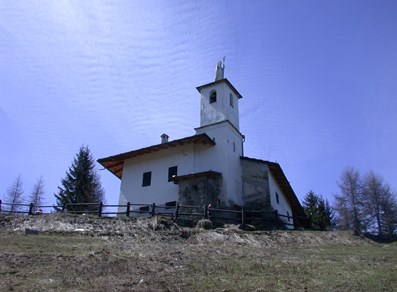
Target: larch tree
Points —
{"points": [[379, 205], [14, 195], [81, 184], [348, 203], [389, 222], [37, 194]]}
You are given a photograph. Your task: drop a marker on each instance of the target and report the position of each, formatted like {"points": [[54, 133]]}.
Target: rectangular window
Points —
{"points": [[147, 179], [277, 199], [172, 171], [170, 204], [231, 100], [144, 209]]}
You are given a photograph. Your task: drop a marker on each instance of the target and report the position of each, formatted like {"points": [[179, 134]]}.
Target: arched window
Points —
{"points": [[213, 96]]}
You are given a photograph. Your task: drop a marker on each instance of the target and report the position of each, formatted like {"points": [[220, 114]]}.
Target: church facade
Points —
{"points": [[208, 167]]}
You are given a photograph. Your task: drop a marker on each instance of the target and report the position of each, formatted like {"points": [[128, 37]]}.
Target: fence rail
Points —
{"points": [[174, 211]]}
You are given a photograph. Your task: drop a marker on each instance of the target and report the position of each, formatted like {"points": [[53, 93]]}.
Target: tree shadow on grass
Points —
{"points": [[381, 238]]}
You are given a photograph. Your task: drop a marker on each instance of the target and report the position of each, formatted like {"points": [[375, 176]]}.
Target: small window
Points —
{"points": [[277, 199], [170, 204], [147, 179], [213, 97], [234, 146], [144, 209], [172, 172], [231, 100]]}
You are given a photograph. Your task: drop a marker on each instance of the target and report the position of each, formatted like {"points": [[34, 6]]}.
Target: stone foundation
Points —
{"points": [[199, 191], [256, 185]]}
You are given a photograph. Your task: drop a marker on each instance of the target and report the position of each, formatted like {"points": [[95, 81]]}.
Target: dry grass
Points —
{"points": [[314, 268], [181, 259]]}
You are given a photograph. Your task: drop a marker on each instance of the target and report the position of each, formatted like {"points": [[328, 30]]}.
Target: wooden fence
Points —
{"points": [[174, 211]]}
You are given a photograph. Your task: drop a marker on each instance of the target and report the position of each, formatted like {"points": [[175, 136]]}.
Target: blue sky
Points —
{"points": [[318, 79]]}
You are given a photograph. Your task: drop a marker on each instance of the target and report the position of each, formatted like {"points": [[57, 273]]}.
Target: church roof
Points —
{"points": [[284, 184], [115, 163], [205, 174], [199, 88]]}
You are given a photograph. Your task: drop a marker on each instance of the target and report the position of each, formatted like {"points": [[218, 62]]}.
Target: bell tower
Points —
{"points": [[219, 119], [219, 100]]}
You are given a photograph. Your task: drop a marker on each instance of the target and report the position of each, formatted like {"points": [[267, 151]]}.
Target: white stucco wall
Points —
{"points": [[225, 158], [221, 110], [283, 206], [160, 189]]}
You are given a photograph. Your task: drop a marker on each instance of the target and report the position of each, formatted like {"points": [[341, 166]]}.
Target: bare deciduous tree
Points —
{"points": [[37, 194], [389, 206], [348, 202], [366, 205], [14, 195], [378, 205]]}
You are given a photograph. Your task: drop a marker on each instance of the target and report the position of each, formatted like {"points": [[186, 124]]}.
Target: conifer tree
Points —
{"points": [[318, 210], [81, 184]]}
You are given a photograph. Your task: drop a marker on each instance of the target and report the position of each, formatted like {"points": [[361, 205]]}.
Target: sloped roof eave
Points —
{"points": [[284, 184], [115, 163], [225, 80]]}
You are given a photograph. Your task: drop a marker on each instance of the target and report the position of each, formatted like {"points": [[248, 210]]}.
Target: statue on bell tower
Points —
{"points": [[220, 70]]}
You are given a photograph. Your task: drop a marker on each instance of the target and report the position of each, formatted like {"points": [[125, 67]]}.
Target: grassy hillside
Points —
{"points": [[93, 254]]}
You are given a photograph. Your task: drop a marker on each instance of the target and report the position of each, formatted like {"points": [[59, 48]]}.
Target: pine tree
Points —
{"points": [[325, 214], [81, 184], [309, 204], [318, 210], [36, 196], [14, 195]]}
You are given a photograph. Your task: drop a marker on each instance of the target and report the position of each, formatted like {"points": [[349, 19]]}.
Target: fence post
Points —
{"points": [[30, 209], [176, 211], [242, 216], [276, 215], [100, 209], [153, 209], [206, 212], [294, 221], [128, 209], [0, 205]]}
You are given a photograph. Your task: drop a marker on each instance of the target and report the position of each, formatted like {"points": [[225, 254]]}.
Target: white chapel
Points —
{"points": [[208, 167]]}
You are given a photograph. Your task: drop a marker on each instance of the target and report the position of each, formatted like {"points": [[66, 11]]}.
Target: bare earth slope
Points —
{"points": [[81, 253]]}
